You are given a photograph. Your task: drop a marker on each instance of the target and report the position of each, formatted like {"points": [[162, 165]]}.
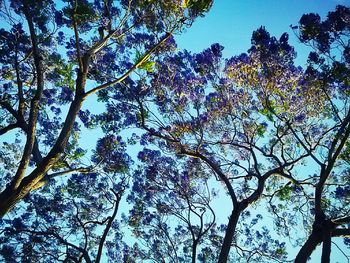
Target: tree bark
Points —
{"points": [[194, 251], [321, 233], [10, 197], [326, 249], [309, 246], [327, 228], [231, 229]]}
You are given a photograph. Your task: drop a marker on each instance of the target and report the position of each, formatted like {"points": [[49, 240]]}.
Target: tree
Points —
{"points": [[329, 68], [204, 113], [314, 109], [172, 210], [68, 223], [198, 117], [56, 61], [250, 124]]}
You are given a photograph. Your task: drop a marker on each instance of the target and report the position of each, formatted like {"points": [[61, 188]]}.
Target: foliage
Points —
{"points": [[242, 130], [68, 223], [54, 63], [55, 55]]}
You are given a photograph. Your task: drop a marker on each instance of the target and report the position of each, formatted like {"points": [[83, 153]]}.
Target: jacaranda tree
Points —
{"points": [[197, 106], [55, 55], [256, 116], [328, 71], [254, 130], [314, 110]]}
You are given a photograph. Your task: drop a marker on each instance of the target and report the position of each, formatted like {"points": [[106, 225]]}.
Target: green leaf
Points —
{"points": [[67, 72], [261, 130], [281, 251], [185, 3], [148, 66], [83, 12], [285, 193], [197, 5]]}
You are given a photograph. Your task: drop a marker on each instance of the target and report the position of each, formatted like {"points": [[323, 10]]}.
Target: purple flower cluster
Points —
{"points": [[111, 153]]}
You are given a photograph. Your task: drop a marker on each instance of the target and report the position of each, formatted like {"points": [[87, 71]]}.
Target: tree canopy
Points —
{"points": [[195, 152]]}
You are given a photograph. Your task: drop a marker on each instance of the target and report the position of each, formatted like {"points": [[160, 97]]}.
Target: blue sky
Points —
{"points": [[231, 23]]}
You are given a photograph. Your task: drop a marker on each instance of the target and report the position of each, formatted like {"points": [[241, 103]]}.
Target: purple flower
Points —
{"points": [[341, 192], [217, 49], [66, 94], [313, 57], [300, 117]]}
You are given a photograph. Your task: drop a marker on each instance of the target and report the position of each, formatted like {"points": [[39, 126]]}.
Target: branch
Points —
{"points": [[21, 102], [8, 128], [7, 106], [341, 232], [34, 107], [82, 170], [343, 220], [342, 136], [345, 255], [135, 66], [339, 139], [261, 182], [216, 169], [21, 123], [48, 177], [76, 35], [83, 227], [109, 225], [62, 240], [303, 145], [151, 131]]}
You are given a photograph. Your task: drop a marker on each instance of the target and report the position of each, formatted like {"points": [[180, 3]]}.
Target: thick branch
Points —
{"points": [[341, 232], [21, 123], [216, 169], [340, 139], [34, 107], [48, 177], [230, 231], [342, 220], [326, 247], [309, 246], [8, 128]]}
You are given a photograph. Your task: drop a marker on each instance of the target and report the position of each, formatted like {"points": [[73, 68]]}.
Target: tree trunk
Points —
{"points": [[322, 230], [327, 243], [230, 231], [194, 251], [10, 197], [309, 246]]}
